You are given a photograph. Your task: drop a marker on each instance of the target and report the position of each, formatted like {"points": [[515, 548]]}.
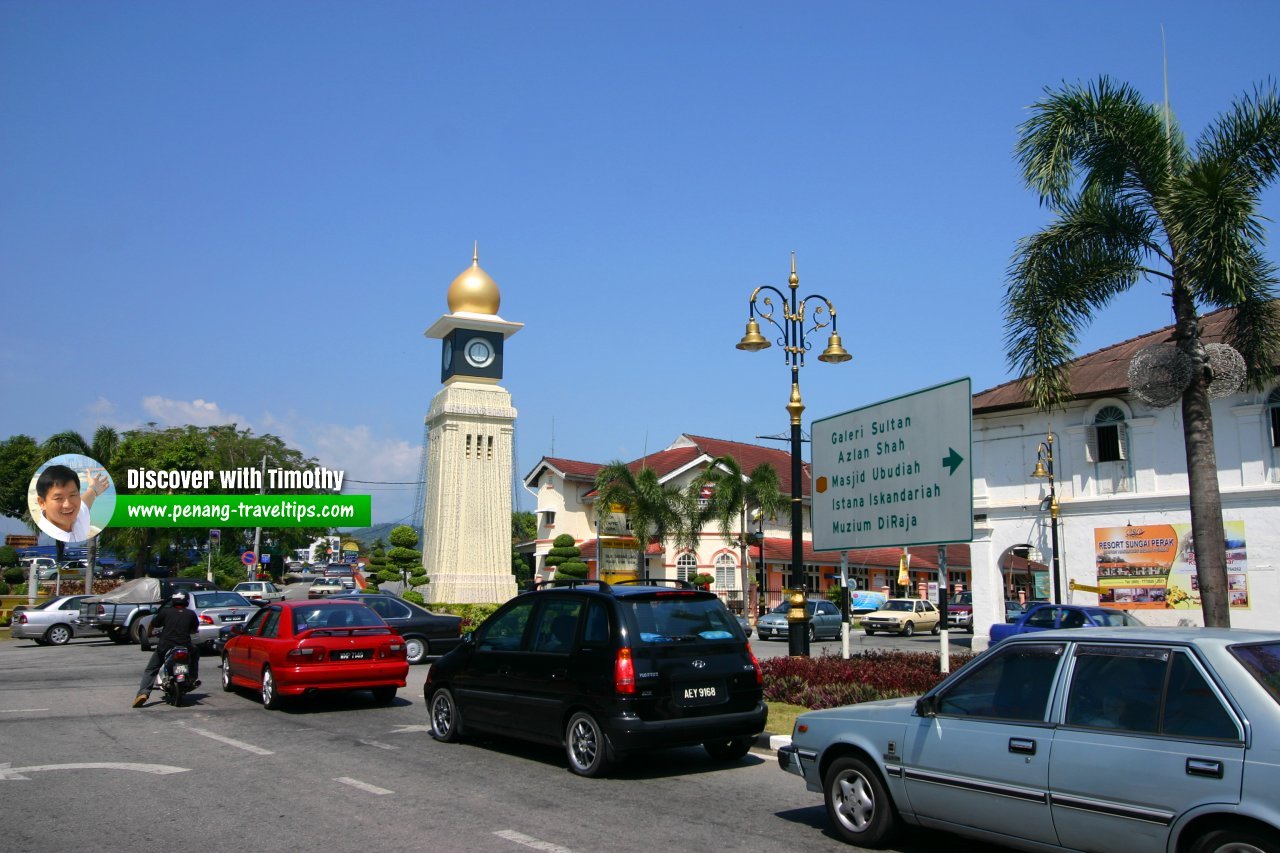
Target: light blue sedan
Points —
{"points": [[1100, 739]]}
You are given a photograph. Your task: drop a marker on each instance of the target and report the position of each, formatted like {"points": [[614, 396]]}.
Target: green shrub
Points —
{"points": [[419, 580], [472, 614], [4, 588], [414, 596], [8, 555], [15, 574]]}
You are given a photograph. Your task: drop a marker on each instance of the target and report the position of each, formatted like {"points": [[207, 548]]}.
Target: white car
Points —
{"points": [[259, 592]]}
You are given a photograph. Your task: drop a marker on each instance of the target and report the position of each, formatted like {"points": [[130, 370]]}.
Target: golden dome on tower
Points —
{"points": [[474, 291]]}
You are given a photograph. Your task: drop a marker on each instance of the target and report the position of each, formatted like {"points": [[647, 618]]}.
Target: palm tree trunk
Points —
{"points": [[1202, 469]]}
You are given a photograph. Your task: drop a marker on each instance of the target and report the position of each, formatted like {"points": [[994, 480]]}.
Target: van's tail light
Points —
{"points": [[755, 661], [624, 673]]}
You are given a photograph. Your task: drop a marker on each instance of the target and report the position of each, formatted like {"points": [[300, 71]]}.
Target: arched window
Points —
{"points": [[1107, 439], [686, 566], [726, 571]]}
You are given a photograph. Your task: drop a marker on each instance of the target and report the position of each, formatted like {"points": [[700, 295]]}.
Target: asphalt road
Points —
{"points": [[81, 769]]}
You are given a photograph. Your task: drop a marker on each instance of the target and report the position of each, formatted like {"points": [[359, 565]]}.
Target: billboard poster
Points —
{"points": [[1153, 566]]}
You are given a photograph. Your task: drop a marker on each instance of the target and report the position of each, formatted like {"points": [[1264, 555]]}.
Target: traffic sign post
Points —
{"points": [[895, 473]]}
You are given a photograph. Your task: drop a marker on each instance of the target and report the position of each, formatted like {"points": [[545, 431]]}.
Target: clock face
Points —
{"points": [[479, 352], [447, 357]]}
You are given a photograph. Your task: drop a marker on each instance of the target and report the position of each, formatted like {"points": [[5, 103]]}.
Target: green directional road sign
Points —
{"points": [[895, 473]]}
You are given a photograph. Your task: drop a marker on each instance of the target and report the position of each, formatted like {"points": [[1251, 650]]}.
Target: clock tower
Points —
{"points": [[466, 546]]}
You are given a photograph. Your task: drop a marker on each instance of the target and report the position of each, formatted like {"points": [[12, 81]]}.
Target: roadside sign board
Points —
{"points": [[895, 473], [248, 558]]}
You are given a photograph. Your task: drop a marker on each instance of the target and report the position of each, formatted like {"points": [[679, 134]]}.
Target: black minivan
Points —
{"points": [[604, 669]]}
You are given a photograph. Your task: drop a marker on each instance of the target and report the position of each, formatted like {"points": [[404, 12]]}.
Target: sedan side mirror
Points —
{"points": [[927, 706]]}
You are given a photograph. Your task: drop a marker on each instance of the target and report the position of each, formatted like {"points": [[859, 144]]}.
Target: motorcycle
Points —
{"points": [[174, 677]]}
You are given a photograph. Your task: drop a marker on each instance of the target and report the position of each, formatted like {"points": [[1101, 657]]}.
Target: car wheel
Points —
{"points": [[869, 631], [58, 635], [728, 750], [908, 629], [1246, 840], [270, 699], [813, 633], [446, 723], [118, 635], [857, 803], [136, 633], [585, 745], [415, 649], [937, 629], [227, 686], [384, 695]]}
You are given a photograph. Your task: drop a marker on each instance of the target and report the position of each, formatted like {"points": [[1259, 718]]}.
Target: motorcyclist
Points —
{"points": [[177, 626]]}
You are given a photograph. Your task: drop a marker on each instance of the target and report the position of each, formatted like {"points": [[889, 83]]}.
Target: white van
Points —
{"points": [[39, 562]]}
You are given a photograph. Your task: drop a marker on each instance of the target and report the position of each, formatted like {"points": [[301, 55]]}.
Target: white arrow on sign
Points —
{"points": [[10, 774]]}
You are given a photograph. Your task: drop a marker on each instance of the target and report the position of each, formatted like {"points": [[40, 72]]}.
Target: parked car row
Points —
{"points": [[1112, 737]]}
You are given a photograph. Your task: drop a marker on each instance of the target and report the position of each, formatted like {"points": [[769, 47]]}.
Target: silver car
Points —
{"points": [[52, 623], [213, 608], [1102, 739], [824, 621]]}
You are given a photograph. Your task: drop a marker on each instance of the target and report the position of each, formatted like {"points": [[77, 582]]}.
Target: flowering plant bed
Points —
{"points": [[830, 681]]}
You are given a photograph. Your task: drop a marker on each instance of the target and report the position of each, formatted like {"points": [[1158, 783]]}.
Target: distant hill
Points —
{"points": [[366, 535]]}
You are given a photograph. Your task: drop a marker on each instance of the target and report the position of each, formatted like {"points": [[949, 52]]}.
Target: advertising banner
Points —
{"points": [[1153, 566]]}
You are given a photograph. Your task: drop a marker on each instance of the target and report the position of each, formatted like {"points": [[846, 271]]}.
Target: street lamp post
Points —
{"points": [[795, 328], [1044, 468]]}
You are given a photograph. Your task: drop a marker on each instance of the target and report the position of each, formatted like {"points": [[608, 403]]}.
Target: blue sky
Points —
{"points": [[251, 212]]}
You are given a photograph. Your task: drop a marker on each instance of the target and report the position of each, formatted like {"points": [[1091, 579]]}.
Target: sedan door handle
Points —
{"points": [[1204, 767], [1025, 746]]}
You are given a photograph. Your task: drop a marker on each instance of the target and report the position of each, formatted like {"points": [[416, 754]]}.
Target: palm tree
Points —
{"points": [[1132, 201], [106, 441], [654, 508], [733, 495]]}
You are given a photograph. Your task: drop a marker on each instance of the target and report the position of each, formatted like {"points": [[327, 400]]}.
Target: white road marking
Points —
{"points": [[377, 743], [399, 730], [530, 841], [21, 710], [238, 744], [363, 786], [15, 773]]}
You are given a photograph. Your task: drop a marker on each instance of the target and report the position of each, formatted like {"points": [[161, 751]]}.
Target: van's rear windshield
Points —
{"points": [[681, 618]]}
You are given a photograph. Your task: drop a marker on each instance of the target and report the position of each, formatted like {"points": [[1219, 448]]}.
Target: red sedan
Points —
{"points": [[291, 648]]}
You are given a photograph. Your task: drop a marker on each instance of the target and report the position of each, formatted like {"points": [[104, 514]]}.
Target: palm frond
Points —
{"points": [[1255, 328], [1103, 132], [1247, 137], [1058, 281], [1213, 222]]}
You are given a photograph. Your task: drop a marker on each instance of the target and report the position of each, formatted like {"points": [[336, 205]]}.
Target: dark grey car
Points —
{"points": [[824, 621]]}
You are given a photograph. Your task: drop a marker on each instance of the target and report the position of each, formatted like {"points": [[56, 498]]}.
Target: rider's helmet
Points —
{"points": [[178, 599]]}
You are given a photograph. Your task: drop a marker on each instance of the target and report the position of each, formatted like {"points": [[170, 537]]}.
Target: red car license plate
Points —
{"points": [[353, 654]]}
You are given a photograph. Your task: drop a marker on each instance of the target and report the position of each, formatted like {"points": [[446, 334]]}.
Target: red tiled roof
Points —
{"points": [[1102, 373], [923, 557], [572, 468], [665, 462]]}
